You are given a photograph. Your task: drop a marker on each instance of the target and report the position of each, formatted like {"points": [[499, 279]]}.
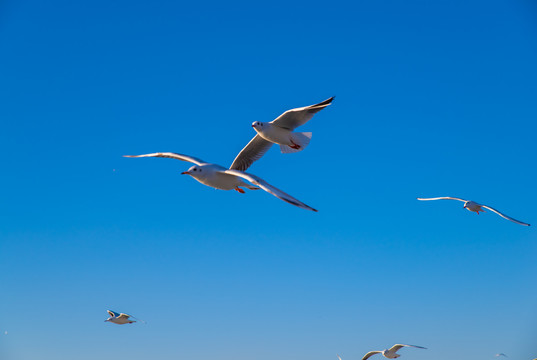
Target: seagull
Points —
{"points": [[501, 354], [475, 207], [218, 177], [279, 131], [390, 353], [120, 319]]}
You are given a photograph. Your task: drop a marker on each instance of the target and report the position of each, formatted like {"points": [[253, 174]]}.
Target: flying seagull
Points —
{"points": [[218, 177], [279, 131], [120, 319], [390, 353], [475, 207], [501, 354]]}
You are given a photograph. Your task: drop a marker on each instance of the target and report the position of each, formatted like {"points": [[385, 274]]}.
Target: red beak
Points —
{"points": [[185, 173], [253, 126]]}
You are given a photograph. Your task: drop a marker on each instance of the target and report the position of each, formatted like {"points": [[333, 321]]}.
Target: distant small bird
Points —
{"points": [[501, 354], [279, 131], [475, 207], [120, 318], [390, 353], [219, 177]]}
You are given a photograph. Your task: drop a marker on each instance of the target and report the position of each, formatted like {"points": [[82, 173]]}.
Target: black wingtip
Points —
{"points": [[326, 102]]}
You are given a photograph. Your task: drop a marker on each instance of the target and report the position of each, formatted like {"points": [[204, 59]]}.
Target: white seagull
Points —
{"points": [[120, 319], [279, 131], [390, 353], [475, 207], [501, 354], [219, 177]]}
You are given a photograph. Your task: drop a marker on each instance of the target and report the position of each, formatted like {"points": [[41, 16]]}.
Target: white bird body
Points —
{"points": [[274, 133], [219, 177], [390, 353], [473, 206], [214, 176], [476, 207], [119, 318]]}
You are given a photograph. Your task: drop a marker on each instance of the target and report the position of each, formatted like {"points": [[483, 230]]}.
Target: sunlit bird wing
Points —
{"points": [[171, 155], [398, 346], [112, 313], [253, 151], [371, 353], [270, 189], [442, 198], [505, 217], [291, 119], [123, 316]]}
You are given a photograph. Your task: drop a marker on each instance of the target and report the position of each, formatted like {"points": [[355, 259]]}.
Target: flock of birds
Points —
{"points": [[279, 131]]}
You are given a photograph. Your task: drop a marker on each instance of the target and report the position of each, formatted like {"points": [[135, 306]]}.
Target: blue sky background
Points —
{"points": [[432, 99]]}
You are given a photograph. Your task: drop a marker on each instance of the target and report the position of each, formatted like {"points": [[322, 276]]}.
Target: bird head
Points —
{"points": [[193, 171], [257, 125]]}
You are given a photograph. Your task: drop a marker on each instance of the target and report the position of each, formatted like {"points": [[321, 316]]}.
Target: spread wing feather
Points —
{"points": [[270, 189], [291, 119], [253, 151], [505, 216], [171, 155]]}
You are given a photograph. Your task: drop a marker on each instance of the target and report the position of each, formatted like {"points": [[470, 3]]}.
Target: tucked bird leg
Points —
{"points": [[294, 146], [240, 190]]}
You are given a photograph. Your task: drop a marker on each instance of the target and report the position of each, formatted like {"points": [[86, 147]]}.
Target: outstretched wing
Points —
{"points": [[123, 316], [112, 313], [270, 189], [371, 353], [293, 118], [171, 156], [398, 346], [253, 151], [505, 216], [442, 198]]}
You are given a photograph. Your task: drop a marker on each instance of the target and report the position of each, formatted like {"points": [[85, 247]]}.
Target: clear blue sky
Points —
{"points": [[433, 98]]}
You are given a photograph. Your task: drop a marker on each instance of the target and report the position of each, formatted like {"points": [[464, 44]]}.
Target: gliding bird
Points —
{"points": [[219, 177], [279, 131], [390, 353], [475, 207], [119, 319]]}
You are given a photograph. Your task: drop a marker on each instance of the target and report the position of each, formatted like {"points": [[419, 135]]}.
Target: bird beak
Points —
{"points": [[253, 126], [185, 173]]}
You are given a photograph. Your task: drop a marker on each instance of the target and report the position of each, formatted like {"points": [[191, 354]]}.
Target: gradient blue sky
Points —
{"points": [[432, 99]]}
